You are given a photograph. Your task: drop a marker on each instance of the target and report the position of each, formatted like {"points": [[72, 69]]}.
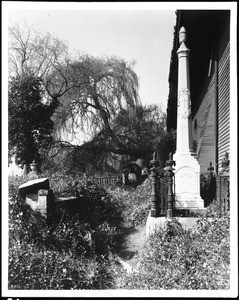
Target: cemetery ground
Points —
{"points": [[100, 243]]}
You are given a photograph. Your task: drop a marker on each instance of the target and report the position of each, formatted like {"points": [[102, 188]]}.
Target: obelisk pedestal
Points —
{"points": [[187, 169]]}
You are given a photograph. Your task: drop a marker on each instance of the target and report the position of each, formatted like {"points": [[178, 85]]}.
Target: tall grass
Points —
{"points": [[134, 203], [174, 258]]}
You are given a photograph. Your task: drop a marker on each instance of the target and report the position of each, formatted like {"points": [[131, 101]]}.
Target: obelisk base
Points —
{"points": [[188, 201], [187, 182]]}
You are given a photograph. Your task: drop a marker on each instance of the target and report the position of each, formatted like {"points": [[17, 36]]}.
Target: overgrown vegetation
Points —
{"points": [[207, 188], [134, 203], [175, 258], [72, 252], [77, 250], [30, 124]]}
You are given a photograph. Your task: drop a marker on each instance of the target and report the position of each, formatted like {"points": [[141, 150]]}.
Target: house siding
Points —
{"points": [[224, 94], [205, 133], [205, 116]]}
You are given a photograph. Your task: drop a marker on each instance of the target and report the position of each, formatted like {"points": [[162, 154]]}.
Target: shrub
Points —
{"points": [[32, 267], [182, 259], [207, 188], [134, 203], [24, 224]]}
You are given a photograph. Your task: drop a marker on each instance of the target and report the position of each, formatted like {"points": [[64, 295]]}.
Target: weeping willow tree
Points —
{"points": [[93, 93]]}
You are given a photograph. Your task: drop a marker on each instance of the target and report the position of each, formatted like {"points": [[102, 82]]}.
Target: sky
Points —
{"points": [[142, 35]]}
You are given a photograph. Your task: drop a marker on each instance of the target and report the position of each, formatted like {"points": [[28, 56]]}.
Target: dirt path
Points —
{"points": [[133, 240], [132, 245]]}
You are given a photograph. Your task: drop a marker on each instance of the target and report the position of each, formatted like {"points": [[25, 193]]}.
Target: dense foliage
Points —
{"points": [[29, 118], [134, 203], [142, 128], [165, 146]]}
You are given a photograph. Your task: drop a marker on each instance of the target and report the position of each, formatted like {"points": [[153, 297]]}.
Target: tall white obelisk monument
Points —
{"points": [[187, 170]]}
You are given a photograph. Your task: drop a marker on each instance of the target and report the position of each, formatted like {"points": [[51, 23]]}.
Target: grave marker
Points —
{"points": [[187, 170]]}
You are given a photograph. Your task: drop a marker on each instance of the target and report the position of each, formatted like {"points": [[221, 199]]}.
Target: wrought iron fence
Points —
{"points": [[105, 181], [217, 187], [211, 187], [162, 196], [223, 192], [162, 192]]}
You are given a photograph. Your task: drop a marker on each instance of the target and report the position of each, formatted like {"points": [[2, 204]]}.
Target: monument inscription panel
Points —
{"points": [[186, 180]]}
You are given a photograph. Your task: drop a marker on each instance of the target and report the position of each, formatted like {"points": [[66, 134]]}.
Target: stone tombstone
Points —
{"points": [[124, 177], [38, 196], [42, 201], [46, 203], [132, 177], [144, 172], [187, 169], [33, 186], [32, 201]]}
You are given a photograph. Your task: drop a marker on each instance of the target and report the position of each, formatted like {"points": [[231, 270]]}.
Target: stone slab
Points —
{"points": [[153, 225], [33, 186], [61, 199]]}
